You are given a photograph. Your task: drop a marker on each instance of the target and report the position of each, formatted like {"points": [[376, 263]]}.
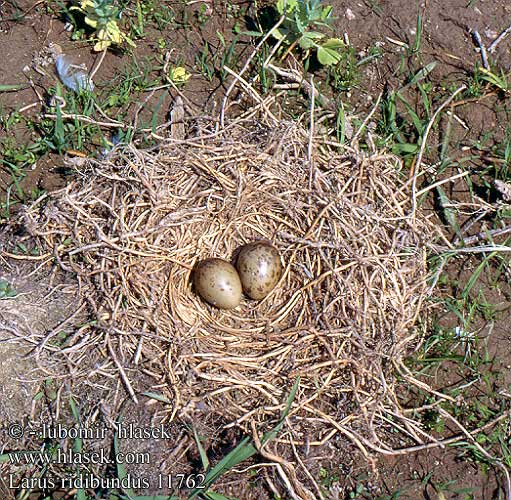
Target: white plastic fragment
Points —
{"points": [[71, 75]]}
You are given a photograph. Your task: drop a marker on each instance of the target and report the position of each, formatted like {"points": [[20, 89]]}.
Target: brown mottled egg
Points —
{"points": [[218, 283], [260, 269]]}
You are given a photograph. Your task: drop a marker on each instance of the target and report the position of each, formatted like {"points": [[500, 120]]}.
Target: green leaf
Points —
{"points": [[299, 25], [313, 35], [221, 38], [328, 52], [492, 78], [449, 213], [81, 495], [122, 473], [13, 87], [405, 147], [78, 444], [279, 33], [334, 43], [212, 495], [157, 397], [423, 73], [6, 291], [245, 449], [146, 497], [202, 451], [326, 13], [419, 125], [341, 124], [286, 6], [307, 40], [251, 33]]}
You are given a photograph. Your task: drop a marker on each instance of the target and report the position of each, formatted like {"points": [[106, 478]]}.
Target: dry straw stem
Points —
{"points": [[345, 312]]}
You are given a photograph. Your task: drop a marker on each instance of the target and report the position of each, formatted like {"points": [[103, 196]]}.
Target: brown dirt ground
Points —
{"points": [[446, 39]]}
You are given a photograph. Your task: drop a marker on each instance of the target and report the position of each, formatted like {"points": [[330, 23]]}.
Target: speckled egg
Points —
{"points": [[218, 283], [260, 268]]}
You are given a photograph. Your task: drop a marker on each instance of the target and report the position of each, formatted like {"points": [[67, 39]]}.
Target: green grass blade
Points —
{"points": [[391, 116], [242, 452], [475, 275], [13, 87], [405, 148], [148, 497], [78, 444], [417, 122], [341, 124], [245, 449], [449, 213], [202, 451], [121, 470], [211, 495], [270, 435], [418, 35], [422, 73], [157, 397], [154, 117], [425, 100], [59, 134]]}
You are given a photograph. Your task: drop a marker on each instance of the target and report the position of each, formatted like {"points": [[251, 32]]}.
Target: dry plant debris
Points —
{"points": [[342, 317]]}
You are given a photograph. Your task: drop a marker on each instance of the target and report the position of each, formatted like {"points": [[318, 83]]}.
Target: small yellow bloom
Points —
{"points": [[179, 75]]}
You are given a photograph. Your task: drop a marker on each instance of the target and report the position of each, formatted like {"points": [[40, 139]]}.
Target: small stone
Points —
{"points": [[349, 14]]}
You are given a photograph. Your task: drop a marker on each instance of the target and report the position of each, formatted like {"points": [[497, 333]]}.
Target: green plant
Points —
{"points": [[461, 354], [243, 451], [65, 130], [161, 15], [345, 74], [499, 81], [416, 46], [446, 487], [103, 17], [327, 478], [6, 290], [375, 6], [302, 18], [213, 59], [16, 158], [12, 87], [402, 125]]}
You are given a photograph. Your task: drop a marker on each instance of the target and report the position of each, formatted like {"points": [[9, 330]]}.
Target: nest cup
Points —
{"points": [[341, 318]]}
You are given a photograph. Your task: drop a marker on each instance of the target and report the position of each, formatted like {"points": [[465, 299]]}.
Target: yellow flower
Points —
{"points": [[179, 75]]}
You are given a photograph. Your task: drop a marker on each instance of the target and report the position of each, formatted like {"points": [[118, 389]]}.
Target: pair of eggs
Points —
{"points": [[258, 269]]}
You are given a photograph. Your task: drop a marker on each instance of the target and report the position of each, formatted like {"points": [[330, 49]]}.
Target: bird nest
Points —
{"points": [[344, 315]]}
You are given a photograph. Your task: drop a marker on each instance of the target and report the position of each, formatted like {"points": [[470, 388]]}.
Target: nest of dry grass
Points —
{"points": [[342, 318]]}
